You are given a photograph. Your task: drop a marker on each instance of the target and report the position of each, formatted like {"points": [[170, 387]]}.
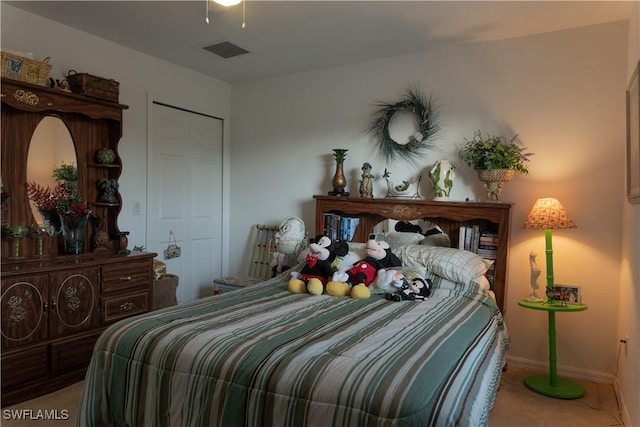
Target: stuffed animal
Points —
{"points": [[434, 236], [363, 273], [317, 269], [290, 240], [417, 289], [379, 256], [389, 280]]}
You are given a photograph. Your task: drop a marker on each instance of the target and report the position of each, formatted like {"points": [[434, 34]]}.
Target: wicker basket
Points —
{"points": [[24, 69], [94, 86], [496, 175]]}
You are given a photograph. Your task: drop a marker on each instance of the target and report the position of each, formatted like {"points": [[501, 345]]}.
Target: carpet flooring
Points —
{"points": [[515, 406]]}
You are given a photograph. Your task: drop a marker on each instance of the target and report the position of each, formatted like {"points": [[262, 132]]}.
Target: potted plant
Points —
{"points": [[496, 159]]}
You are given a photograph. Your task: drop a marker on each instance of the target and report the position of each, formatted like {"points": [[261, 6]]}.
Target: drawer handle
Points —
{"points": [[127, 306], [126, 278]]}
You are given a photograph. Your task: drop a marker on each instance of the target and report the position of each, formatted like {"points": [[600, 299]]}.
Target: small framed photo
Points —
{"points": [[567, 294]]}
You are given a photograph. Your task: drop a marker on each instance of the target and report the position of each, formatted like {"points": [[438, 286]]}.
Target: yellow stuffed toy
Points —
{"points": [[363, 273]]}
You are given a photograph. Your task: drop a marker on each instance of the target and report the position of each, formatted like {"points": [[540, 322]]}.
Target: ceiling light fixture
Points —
{"points": [[226, 3]]}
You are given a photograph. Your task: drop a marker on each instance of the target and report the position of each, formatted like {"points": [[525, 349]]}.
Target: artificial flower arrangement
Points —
{"points": [[60, 203]]}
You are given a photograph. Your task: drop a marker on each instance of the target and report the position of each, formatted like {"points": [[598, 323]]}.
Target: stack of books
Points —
{"points": [[483, 243], [338, 227]]}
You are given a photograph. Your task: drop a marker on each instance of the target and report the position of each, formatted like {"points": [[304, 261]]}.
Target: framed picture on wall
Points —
{"points": [[633, 138]]}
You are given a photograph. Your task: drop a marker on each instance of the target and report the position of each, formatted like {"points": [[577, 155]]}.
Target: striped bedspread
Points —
{"points": [[264, 357]]}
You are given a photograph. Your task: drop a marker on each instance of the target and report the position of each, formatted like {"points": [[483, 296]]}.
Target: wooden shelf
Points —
{"points": [[105, 166]]}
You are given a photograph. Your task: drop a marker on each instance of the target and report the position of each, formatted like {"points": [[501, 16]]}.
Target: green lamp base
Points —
{"points": [[566, 389]]}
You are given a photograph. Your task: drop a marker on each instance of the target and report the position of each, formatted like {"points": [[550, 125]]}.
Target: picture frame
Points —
{"points": [[567, 294], [633, 138]]}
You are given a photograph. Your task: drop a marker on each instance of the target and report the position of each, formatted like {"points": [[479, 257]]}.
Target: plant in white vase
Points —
{"points": [[496, 160]]}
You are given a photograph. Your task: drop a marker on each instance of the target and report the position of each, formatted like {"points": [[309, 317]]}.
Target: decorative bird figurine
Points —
{"points": [[402, 190]]}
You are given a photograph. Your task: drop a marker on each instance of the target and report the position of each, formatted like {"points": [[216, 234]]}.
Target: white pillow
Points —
{"points": [[453, 264], [440, 239], [399, 238]]}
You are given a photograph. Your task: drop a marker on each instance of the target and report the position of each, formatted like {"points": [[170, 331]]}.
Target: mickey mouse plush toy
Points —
{"points": [[379, 256], [356, 280], [317, 269], [417, 289]]}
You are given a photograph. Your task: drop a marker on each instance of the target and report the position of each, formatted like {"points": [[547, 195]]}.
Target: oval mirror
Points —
{"points": [[51, 145]]}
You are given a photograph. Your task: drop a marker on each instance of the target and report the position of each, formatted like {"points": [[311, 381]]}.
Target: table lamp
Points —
{"points": [[547, 214]]}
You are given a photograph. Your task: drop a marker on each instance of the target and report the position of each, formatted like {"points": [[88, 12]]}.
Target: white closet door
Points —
{"points": [[185, 196]]}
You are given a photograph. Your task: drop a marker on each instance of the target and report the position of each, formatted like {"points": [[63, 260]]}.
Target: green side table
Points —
{"points": [[551, 385]]}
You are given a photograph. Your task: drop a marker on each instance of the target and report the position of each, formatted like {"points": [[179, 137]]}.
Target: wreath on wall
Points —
{"points": [[425, 113]]}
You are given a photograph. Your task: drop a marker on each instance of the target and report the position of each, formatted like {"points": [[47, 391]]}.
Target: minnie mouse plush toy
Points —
{"points": [[417, 289]]}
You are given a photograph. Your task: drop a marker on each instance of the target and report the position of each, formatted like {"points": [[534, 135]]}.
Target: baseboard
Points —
{"points": [[567, 371], [624, 409]]}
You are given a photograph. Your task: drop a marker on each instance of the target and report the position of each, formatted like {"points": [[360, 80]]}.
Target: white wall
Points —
{"points": [[562, 92], [142, 79], [628, 375]]}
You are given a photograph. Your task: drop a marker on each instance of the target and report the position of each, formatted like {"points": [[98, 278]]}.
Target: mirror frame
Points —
{"points": [[92, 123]]}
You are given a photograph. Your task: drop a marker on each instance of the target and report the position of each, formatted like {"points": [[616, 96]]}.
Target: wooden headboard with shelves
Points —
{"points": [[449, 216]]}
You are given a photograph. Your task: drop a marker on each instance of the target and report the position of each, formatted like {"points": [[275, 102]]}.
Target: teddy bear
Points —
{"points": [[363, 273], [417, 289], [317, 270]]}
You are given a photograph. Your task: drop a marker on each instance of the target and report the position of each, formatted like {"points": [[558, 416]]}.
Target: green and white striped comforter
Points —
{"points": [[264, 357]]}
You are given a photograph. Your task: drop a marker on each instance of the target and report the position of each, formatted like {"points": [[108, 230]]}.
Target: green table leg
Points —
{"points": [[551, 385]]}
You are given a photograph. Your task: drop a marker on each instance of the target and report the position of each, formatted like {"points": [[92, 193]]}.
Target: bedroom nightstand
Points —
{"points": [[551, 385]]}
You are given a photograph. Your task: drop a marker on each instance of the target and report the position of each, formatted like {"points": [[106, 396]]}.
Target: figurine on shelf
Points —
{"points": [[404, 190], [101, 241], [366, 184], [124, 242], [108, 188], [535, 273]]}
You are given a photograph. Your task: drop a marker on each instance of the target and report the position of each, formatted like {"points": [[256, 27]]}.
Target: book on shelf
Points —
{"points": [[469, 238], [338, 227], [483, 243]]}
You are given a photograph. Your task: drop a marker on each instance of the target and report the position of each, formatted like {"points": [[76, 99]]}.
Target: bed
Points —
{"points": [[262, 356]]}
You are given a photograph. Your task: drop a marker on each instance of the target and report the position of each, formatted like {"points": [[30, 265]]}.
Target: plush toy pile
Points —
{"points": [[317, 276]]}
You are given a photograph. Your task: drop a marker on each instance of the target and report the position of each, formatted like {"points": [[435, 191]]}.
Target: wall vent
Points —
{"points": [[225, 50]]}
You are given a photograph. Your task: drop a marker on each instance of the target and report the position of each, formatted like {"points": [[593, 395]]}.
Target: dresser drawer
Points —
{"points": [[69, 354], [24, 366], [126, 275], [128, 305]]}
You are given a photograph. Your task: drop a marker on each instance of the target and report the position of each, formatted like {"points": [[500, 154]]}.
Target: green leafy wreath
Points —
{"points": [[426, 116]]}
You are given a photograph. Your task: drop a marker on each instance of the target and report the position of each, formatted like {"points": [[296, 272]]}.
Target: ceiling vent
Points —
{"points": [[225, 50]]}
